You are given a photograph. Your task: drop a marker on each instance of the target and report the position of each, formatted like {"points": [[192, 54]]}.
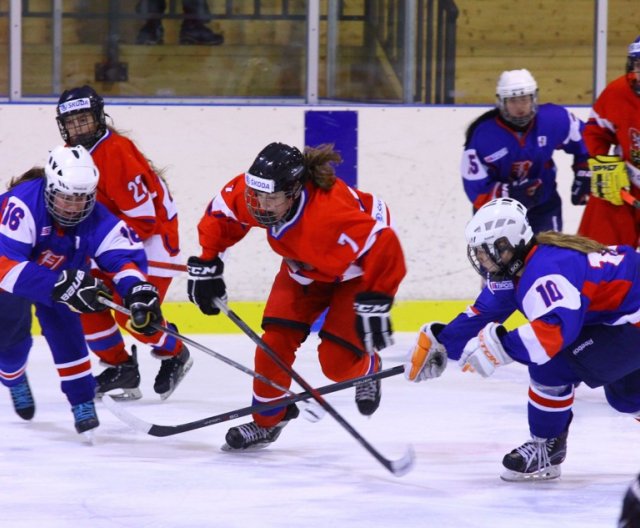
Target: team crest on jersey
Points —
{"points": [[49, 259], [634, 146]]}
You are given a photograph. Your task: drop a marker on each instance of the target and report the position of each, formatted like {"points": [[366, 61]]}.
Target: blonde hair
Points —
{"points": [[575, 242], [319, 165]]}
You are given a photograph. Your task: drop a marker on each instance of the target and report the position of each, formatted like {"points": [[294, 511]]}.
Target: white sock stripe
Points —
{"points": [[548, 396], [103, 333]]}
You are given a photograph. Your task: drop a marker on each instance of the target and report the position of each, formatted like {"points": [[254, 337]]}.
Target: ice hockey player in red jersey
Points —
{"points": [[339, 252], [131, 189], [615, 124]]}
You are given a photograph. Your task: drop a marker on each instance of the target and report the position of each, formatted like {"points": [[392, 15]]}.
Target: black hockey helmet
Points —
{"points": [[281, 163], [276, 178], [77, 101]]}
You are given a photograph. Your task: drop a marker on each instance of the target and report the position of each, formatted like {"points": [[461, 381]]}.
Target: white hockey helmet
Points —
{"points": [[71, 187], [498, 238], [516, 83]]}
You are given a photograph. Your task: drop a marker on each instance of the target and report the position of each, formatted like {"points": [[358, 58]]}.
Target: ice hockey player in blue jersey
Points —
{"points": [[582, 303], [51, 230], [509, 150]]}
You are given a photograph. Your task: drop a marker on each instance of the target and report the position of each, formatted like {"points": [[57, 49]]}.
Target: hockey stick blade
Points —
{"points": [[118, 410], [387, 463], [403, 465], [139, 424]]}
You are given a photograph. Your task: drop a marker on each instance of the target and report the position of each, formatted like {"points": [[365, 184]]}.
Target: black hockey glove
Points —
{"points": [[144, 304], [373, 321], [206, 284], [79, 291], [527, 191], [581, 186]]}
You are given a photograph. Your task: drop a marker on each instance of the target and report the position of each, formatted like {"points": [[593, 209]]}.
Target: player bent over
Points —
{"points": [[339, 252], [51, 229], [581, 299]]}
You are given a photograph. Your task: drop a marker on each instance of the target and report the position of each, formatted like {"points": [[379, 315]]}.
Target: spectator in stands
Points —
{"points": [[508, 152], [192, 31]]}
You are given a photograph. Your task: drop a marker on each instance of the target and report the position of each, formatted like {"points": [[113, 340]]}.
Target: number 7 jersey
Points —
{"points": [[332, 236]]}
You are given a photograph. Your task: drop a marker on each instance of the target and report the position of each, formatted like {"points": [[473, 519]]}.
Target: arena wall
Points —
{"points": [[409, 156]]}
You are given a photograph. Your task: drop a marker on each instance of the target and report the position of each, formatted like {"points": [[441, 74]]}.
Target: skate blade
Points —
{"points": [[187, 367], [256, 447], [550, 473], [125, 395], [88, 437]]}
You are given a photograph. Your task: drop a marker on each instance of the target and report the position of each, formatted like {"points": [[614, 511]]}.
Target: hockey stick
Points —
{"points": [[169, 430], [629, 198], [397, 467], [198, 346]]}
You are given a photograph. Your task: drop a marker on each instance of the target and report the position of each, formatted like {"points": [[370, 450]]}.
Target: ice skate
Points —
{"points": [[172, 370], [22, 398], [251, 437], [86, 420], [368, 394], [537, 459], [125, 376]]}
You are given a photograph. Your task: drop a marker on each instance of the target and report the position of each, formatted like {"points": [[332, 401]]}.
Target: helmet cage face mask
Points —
{"points": [[274, 183], [516, 83], [633, 66], [270, 207], [71, 185], [499, 238], [81, 118], [498, 261]]}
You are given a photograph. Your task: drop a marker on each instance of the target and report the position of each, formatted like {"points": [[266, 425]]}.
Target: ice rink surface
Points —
{"points": [[315, 475]]}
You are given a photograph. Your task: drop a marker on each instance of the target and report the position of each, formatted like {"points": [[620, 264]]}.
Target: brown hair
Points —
{"points": [[31, 174], [575, 242], [319, 164]]}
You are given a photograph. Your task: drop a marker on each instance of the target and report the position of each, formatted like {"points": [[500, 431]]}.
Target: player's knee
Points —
{"points": [[339, 361], [283, 340]]}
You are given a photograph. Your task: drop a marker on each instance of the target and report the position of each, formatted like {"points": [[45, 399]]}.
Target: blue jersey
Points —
{"points": [[33, 251], [496, 154], [559, 292]]}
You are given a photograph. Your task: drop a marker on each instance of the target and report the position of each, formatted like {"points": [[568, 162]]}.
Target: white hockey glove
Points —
{"points": [[482, 354], [428, 358]]}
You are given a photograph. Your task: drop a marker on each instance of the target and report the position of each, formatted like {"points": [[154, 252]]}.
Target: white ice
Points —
{"points": [[315, 475]]}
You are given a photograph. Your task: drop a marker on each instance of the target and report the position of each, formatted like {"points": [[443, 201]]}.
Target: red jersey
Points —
{"points": [[334, 235], [614, 120], [131, 190]]}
